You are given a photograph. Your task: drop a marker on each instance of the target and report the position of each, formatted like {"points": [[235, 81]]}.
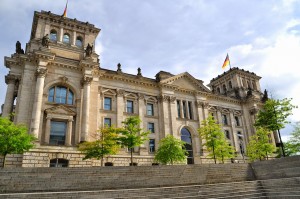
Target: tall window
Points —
{"points": [[218, 90], [151, 127], [237, 121], [230, 84], [178, 109], [186, 137], [66, 38], [129, 106], [240, 136], [224, 119], [53, 35], [227, 134], [107, 122], [60, 95], [152, 145], [184, 109], [78, 42], [190, 110], [107, 103], [150, 110], [224, 88], [58, 133]]}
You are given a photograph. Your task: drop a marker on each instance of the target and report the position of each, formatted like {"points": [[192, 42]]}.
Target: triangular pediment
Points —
{"points": [[60, 110], [185, 81]]}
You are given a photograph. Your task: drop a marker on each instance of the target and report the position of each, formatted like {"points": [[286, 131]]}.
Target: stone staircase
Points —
{"points": [[257, 180]]}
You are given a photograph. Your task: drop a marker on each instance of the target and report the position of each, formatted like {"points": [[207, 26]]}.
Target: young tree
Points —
{"points": [[170, 151], [106, 143], [293, 145], [14, 139], [259, 146], [273, 116], [131, 135], [216, 143]]}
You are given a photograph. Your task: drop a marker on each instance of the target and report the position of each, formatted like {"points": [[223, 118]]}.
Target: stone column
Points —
{"points": [[9, 98], [73, 42], [173, 114], [86, 108], [219, 115], [234, 132], [61, 34], [120, 107], [37, 105], [187, 109], [181, 108], [47, 130], [141, 108], [69, 133], [164, 115]]}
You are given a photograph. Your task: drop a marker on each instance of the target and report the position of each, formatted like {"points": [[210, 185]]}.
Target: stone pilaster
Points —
{"points": [[164, 112], [120, 107], [173, 114], [9, 98], [74, 38], [47, 130], [86, 108], [234, 132], [69, 133], [60, 34], [37, 105]]}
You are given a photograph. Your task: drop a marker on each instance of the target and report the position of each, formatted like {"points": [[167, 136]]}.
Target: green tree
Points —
{"points": [[215, 141], [170, 151], [14, 139], [131, 135], [293, 145], [273, 116], [106, 143], [259, 146]]}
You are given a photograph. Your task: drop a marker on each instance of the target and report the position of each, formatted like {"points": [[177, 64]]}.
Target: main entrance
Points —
{"points": [[186, 137]]}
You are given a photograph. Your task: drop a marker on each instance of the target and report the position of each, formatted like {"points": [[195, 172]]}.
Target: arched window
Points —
{"points": [[66, 38], [60, 95], [78, 42], [53, 35], [224, 88], [186, 137], [218, 90], [230, 84]]}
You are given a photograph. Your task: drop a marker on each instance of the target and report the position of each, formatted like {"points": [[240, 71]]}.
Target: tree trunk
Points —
{"points": [[131, 158], [4, 159], [214, 153]]}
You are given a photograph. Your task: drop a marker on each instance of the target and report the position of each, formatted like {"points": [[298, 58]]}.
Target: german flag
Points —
{"points": [[226, 62], [65, 11]]}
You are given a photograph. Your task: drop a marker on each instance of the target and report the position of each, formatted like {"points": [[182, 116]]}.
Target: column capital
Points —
{"points": [[87, 80], [41, 72], [163, 98], [141, 96], [172, 99], [10, 79], [120, 92]]}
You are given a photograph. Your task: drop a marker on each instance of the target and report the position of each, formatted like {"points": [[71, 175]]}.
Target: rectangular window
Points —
{"points": [[150, 110], [151, 127], [224, 119], [237, 121], [190, 110], [129, 108], [240, 136], [227, 134], [152, 145], [107, 122], [107, 103], [184, 109], [58, 133], [178, 109]]}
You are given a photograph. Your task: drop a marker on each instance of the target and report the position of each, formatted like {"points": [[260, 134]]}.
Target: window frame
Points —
{"points": [[152, 125], [150, 111], [51, 36], [130, 110], [64, 39], [62, 141], [225, 120], [52, 98], [105, 105], [79, 38], [152, 146], [105, 122]]}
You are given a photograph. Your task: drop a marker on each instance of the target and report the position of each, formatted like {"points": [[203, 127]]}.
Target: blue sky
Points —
{"points": [[262, 36]]}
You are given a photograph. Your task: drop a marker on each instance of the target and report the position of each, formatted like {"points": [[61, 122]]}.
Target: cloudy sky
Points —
{"points": [[262, 36]]}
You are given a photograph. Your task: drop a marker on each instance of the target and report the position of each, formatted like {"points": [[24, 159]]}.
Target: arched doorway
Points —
{"points": [[186, 137]]}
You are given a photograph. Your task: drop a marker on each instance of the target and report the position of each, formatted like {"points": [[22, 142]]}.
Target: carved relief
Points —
{"points": [[10, 79]]}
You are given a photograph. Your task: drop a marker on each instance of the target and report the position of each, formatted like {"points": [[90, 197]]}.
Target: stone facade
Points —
{"points": [[60, 91]]}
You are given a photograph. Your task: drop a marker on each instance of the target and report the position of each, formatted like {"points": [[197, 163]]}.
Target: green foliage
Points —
{"points": [[292, 147], [105, 144], [274, 114], [14, 139], [215, 141], [170, 151], [259, 146], [131, 136]]}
